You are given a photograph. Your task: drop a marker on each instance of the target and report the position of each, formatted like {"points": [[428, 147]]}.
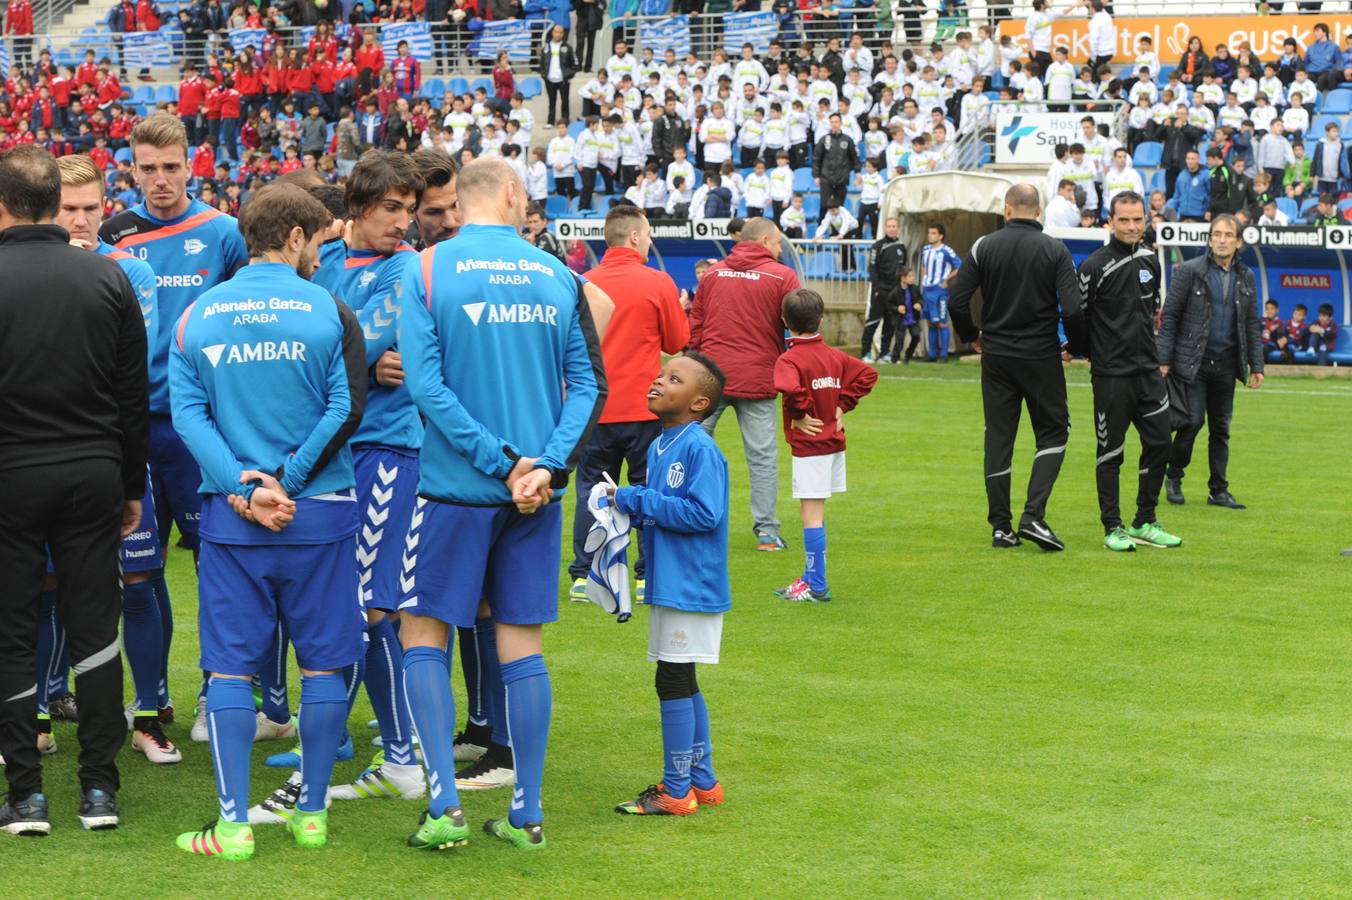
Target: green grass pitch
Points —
{"points": [[961, 721]]}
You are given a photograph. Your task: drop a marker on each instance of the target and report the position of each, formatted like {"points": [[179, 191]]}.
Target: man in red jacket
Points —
{"points": [[648, 321], [735, 320], [19, 25], [192, 93]]}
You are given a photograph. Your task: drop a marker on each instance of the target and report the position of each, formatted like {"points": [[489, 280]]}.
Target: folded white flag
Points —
{"points": [[607, 541]]}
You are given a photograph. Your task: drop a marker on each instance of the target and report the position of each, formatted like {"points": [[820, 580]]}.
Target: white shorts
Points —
{"points": [[677, 636], [818, 477]]}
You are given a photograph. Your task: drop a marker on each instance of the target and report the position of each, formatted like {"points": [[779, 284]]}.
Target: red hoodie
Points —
{"points": [[648, 321], [816, 380], [735, 318]]}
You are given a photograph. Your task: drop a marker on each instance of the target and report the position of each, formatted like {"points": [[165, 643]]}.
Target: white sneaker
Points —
{"points": [[46, 743], [484, 776], [384, 781], [466, 752], [199, 731], [268, 730], [280, 806], [157, 748]]}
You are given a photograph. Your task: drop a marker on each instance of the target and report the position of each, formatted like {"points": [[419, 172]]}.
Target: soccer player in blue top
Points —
{"points": [[191, 247], [938, 265], [268, 382], [143, 635], [503, 359], [683, 513]]}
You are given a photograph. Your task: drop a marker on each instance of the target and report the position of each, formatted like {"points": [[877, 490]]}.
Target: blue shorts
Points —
{"points": [[140, 550], [387, 487], [936, 304], [176, 477], [455, 556], [243, 591]]}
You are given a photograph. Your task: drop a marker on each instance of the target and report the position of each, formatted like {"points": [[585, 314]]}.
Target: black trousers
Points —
{"points": [[609, 446], [833, 193], [557, 91], [1007, 384], [879, 313], [586, 46], [75, 510], [1211, 399], [1141, 400]]}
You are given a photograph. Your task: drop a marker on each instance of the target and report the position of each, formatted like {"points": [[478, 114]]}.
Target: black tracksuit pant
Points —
{"points": [[1211, 398], [609, 446], [1141, 400], [1007, 383], [75, 509], [879, 313]]}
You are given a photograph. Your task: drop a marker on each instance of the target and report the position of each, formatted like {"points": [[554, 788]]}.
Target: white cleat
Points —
{"points": [[268, 730], [199, 731], [157, 748], [385, 781], [484, 776], [280, 806]]}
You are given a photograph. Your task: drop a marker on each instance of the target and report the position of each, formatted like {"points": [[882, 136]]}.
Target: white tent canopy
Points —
{"points": [[968, 204]]}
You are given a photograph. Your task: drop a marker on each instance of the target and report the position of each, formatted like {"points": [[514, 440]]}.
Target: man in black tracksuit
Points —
{"points": [[1121, 285], [885, 258], [1209, 338], [74, 430], [834, 160], [1027, 282]]}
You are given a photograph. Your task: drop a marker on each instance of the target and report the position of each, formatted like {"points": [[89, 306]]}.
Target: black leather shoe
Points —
{"points": [[1173, 491], [1224, 498]]}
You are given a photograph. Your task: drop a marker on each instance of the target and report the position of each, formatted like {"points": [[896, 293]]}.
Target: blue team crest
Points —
{"points": [[675, 475], [1145, 276]]}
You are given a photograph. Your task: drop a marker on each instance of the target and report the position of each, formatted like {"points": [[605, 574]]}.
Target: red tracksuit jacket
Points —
{"points": [[816, 380]]}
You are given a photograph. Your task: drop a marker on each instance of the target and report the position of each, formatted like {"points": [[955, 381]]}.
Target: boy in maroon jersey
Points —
{"points": [[820, 384]]}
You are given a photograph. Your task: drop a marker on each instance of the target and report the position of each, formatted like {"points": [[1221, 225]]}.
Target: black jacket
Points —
{"points": [[1121, 287], [567, 60], [835, 158], [669, 132], [1185, 322], [1027, 281], [590, 14], [885, 257], [1226, 195], [1177, 142], [73, 383]]}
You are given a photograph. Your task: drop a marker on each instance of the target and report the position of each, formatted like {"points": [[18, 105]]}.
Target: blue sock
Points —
{"points": [[323, 704], [933, 340], [431, 707], [353, 677], [141, 637], [814, 543], [943, 342], [528, 704], [231, 722], [474, 683], [702, 762], [272, 680], [678, 739], [493, 692], [167, 628], [49, 633], [385, 687]]}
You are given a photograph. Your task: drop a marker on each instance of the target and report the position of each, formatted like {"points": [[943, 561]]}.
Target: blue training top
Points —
{"points": [[188, 254], [370, 284], [268, 372], [142, 279], [683, 513], [494, 332]]}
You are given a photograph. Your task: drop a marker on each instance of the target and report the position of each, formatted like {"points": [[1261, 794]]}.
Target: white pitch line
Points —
{"points": [[1077, 384]]}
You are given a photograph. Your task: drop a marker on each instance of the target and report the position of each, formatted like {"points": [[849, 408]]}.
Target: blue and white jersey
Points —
{"points": [[142, 279], [188, 254], [370, 283], [499, 351], [683, 513], [936, 263], [268, 372]]}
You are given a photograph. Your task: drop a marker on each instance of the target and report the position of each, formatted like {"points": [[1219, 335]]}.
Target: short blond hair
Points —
{"points": [[160, 130], [78, 170]]}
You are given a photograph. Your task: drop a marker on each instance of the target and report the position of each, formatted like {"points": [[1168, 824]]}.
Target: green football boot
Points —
{"points": [[444, 833], [1152, 535], [1118, 540], [310, 829], [530, 836], [228, 840]]}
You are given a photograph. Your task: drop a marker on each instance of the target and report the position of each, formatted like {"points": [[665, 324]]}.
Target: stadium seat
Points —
{"points": [[123, 154], [1341, 357], [432, 88], [812, 207], [1148, 153], [143, 94], [1321, 121], [166, 93], [557, 206], [576, 128], [485, 83], [1157, 181], [821, 263], [1308, 204], [1338, 102], [530, 87], [1288, 206], [802, 180]]}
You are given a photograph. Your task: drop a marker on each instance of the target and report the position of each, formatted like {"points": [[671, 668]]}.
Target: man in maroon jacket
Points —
{"points": [[735, 320]]}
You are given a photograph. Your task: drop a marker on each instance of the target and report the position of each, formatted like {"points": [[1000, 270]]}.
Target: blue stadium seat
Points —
{"points": [[1308, 204], [485, 83], [1338, 102], [802, 180], [530, 86], [1288, 206], [557, 206], [143, 94], [812, 207], [1148, 153], [1321, 121], [166, 93], [432, 88], [123, 153], [821, 263], [576, 128], [458, 86], [1157, 181]]}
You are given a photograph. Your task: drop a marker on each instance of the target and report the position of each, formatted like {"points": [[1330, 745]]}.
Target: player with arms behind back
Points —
{"points": [[266, 400]]}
